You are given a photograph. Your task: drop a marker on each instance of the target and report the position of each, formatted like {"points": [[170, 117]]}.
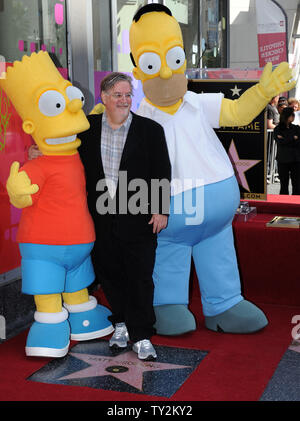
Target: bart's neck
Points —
{"points": [[171, 109], [66, 153]]}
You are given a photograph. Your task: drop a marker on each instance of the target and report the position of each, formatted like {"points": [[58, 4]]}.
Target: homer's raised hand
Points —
{"points": [[243, 110], [19, 187], [274, 83]]}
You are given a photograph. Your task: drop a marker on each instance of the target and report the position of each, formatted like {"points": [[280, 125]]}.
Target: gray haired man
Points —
{"points": [[119, 144]]}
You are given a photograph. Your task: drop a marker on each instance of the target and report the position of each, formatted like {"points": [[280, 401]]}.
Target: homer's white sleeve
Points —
{"points": [[211, 105]]}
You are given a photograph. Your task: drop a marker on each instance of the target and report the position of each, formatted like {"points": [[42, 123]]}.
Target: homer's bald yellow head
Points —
{"points": [[48, 104], [157, 52]]}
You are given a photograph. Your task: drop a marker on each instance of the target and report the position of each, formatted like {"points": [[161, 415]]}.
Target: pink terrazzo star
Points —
{"points": [[295, 346], [240, 165], [126, 367]]}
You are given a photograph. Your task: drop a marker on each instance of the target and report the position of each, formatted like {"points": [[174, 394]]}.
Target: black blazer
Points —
{"points": [[288, 143], [145, 156]]}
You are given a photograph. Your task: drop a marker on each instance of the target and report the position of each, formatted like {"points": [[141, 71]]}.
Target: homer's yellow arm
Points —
{"points": [[19, 187], [242, 111]]}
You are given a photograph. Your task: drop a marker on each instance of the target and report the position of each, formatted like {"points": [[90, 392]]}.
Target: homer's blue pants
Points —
{"points": [[200, 226]]}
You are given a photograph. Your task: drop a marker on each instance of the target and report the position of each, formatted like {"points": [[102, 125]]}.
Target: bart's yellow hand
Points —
{"points": [[242, 111], [19, 187], [98, 109], [274, 83]]}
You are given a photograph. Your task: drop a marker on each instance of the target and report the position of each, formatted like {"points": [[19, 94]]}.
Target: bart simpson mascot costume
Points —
{"points": [[56, 232], [197, 155]]}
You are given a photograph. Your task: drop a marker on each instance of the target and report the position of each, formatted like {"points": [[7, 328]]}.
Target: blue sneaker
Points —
{"points": [[49, 336], [89, 320]]}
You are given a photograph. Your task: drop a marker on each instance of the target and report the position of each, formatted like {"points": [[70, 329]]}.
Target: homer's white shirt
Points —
{"points": [[197, 156]]}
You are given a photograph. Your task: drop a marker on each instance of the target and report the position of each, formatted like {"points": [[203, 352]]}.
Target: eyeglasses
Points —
{"points": [[118, 95]]}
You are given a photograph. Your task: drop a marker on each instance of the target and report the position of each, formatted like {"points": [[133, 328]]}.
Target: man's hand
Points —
{"points": [[34, 152], [159, 222], [274, 83], [19, 187]]}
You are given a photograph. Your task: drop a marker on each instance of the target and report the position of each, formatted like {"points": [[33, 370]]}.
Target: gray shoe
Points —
{"points": [[120, 337], [145, 350], [243, 317]]}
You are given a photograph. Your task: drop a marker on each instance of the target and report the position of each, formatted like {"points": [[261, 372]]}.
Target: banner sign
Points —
{"points": [[246, 145], [271, 33]]}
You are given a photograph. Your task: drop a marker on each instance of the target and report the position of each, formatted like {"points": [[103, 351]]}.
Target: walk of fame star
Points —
{"points": [[126, 367], [235, 91], [295, 346], [240, 165], [91, 364]]}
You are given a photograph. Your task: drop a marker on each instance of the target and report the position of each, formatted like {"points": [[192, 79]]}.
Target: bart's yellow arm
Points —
{"points": [[242, 111], [98, 109], [19, 187]]}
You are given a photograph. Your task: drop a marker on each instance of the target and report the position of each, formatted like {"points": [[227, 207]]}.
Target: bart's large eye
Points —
{"points": [[175, 58], [149, 63], [52, 103], [74, 93]]}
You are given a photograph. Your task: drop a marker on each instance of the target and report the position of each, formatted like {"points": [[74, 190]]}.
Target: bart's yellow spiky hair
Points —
{"points": [[25, 77]]}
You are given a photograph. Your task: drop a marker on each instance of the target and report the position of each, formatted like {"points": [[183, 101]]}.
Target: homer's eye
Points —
{"points": [[52, 103], [149, 63], [175, 58], [74, 93]]}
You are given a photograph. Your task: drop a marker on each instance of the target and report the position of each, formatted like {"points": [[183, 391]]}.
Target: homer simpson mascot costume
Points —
{"points": [[56, 232], [197, 156]]}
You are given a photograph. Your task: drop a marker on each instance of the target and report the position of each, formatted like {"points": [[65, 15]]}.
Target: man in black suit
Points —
{"points": [[124, 155]]}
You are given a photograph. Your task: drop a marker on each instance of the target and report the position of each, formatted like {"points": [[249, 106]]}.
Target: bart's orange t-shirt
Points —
{"points": [[59, 214]]}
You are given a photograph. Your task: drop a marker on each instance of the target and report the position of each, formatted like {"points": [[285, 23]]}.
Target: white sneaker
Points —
{"points": [[144, 349], [120, 337]]}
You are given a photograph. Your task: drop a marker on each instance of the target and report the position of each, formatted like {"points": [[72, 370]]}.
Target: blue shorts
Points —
{"points": [[51, 269], [204, 233]]}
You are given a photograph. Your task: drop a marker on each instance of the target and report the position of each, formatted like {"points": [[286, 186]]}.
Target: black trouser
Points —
{"points": [[285, 171], [124, 270]]}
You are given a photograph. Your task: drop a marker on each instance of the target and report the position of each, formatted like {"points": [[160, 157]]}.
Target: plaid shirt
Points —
{"points": [[112, 145]]}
